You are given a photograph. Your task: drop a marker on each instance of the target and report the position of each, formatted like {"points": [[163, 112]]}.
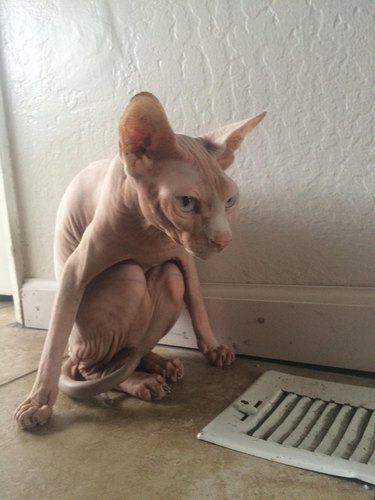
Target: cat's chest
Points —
{"points": [[150, 247]]}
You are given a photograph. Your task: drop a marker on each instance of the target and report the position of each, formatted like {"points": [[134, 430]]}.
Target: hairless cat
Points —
{"points": [[127, 233]]}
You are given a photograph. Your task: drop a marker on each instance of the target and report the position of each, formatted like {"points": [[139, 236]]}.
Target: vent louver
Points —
{"points": [[322, 426], [326, 427]]}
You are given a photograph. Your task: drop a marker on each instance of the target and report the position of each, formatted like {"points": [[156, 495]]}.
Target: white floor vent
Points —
{"points": [[312, 424]]}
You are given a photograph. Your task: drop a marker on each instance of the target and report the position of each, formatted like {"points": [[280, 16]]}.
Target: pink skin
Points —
{"points": [[124, 254]]}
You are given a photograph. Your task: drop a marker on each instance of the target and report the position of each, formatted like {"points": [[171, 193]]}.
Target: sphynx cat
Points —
{"points": [[127, 233]]}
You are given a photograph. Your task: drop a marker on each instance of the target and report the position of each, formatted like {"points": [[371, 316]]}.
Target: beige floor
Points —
{"points": [[139, 450]]}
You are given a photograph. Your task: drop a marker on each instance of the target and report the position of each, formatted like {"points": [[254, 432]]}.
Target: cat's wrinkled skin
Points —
{"points": [[127, 233]]}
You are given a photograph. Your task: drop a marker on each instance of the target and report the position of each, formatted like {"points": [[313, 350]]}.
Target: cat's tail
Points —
{"points": [[120, 368]]}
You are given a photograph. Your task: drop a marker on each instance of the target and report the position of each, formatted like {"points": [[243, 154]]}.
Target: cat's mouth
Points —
{"points": [[204, 254], [194, 254], [202, 251]]}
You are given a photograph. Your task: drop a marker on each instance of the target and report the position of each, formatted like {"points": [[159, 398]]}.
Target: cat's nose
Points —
{"points": [[220, 244], [220, 234]]}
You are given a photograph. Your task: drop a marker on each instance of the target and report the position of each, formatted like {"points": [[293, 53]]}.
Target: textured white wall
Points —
{"points": [[306, 175]]}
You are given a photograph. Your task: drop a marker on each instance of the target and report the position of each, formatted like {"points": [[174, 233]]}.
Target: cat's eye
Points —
{"points": [[230, 202], [186, 204]]}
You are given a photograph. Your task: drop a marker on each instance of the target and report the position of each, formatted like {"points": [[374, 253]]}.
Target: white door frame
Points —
{"points": [[9, 213]]}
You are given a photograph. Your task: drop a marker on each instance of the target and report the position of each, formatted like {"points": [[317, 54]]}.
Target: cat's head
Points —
{"points": [[180, 181]]}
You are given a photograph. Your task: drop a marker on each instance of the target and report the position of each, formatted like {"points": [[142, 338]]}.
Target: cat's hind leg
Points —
{"points": [[126, 308]]}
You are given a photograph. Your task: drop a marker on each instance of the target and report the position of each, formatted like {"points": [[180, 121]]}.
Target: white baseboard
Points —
{"points": [[328, 326]]}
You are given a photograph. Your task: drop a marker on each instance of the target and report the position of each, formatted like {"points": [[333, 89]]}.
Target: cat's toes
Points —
{"points": [[146, 386], [29, 415], [171, 369], [221, 355], [174, 370], [152, 387]]}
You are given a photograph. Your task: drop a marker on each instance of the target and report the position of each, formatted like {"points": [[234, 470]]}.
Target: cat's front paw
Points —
{"points": [[30, 414], [222, 355]]}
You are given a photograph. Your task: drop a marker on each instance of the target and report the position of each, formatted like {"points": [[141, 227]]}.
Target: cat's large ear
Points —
{"points": [[223, 142], [144, 131]]}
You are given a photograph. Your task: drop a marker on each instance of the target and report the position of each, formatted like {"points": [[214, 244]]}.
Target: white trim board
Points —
{"points": [[328, 326], [9, 214]]}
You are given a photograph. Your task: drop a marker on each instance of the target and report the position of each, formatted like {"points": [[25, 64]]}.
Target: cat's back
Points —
{"points": [[77, 209]]}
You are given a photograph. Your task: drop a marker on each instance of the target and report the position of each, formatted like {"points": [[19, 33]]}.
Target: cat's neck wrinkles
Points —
{"points": [[133, 212], [131, 199]]}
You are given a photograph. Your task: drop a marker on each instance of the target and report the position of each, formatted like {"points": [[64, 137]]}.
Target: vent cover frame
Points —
{"points": [[249, 426]]}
